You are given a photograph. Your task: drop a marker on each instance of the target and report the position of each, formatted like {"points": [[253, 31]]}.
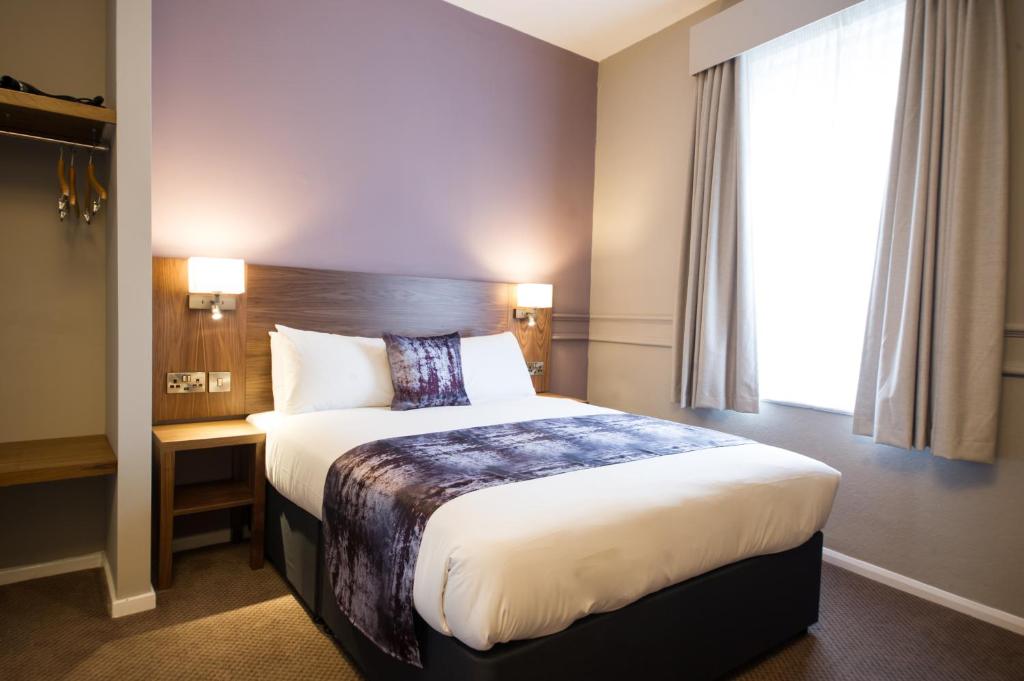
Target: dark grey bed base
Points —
{"points": [[697, 630]]}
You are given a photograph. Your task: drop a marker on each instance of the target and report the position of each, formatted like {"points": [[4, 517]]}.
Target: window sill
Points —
{"points": [[809, 406]]}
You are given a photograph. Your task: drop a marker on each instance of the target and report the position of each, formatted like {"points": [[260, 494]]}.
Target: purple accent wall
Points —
{"points": [[398, 136]]}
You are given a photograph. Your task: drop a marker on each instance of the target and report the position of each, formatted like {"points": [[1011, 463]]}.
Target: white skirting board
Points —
{"points": [[928, 592], [23, 573], [122, 607], [118, 607]]}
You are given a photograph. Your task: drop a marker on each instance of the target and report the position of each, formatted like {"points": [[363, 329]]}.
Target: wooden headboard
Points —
{"points": [[351, 303]]}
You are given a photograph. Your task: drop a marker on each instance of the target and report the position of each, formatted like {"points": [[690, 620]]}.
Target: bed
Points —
{"points": [[694, 562], [681, 567]]}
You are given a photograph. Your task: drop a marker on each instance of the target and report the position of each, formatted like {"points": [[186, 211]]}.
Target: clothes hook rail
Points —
{"points": [[54, 140]]}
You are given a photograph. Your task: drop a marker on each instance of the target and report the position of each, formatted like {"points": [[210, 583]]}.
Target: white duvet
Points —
{"points": [[528, 559]]}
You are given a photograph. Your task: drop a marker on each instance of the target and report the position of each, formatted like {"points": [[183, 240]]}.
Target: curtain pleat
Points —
{"points": [[931, 365], [717, 323]]}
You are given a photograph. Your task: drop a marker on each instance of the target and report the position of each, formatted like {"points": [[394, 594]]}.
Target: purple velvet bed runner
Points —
{"points": [[378, 497]]}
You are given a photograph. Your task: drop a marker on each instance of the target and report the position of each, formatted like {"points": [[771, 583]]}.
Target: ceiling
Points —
{"points": [[592, 28]]}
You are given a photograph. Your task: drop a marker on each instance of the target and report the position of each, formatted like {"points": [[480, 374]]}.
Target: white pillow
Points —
{"points": [[284, 369], [493, 368], [329, 371]]}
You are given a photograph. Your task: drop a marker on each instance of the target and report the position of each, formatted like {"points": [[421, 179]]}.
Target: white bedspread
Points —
{"points": [[528, 559]]}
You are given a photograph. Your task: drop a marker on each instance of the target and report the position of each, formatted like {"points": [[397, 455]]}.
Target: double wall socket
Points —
{"points": [[535, 368], [195, 382], [186, 382]]}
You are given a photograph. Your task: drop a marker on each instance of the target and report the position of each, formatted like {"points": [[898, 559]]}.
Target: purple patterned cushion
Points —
{"points": [[426, 372]]}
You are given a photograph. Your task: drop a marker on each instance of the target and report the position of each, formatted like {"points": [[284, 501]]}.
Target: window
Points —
{"points": [[820, 105]]}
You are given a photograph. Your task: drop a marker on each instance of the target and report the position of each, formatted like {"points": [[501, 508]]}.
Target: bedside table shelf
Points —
{"points": [[211, 496], [246, 488]]}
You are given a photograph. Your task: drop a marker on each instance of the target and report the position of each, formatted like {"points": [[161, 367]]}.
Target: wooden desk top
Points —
{"points": [[55, 459]]}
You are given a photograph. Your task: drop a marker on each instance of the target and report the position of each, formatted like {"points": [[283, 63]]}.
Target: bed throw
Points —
{"points": [[379, 496]]}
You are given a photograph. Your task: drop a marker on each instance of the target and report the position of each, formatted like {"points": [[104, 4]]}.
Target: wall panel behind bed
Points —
{"points": [[352, 303], [360, 304], [189, 340]]}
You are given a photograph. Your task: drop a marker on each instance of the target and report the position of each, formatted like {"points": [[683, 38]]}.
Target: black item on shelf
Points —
{"points": [[11, 83]]}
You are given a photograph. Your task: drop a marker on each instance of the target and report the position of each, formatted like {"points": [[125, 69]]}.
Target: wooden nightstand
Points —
{"points": [[245, 488]]}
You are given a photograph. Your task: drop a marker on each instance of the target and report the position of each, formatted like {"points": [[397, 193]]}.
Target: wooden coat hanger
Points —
{"points": [[62, 200], [73, 182], [87, 212], [94, 184]]}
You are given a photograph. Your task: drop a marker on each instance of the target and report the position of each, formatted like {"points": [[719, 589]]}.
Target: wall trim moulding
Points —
{"points": [[122, 607], [23, 573], [638, 318], [985, 613], [1012, 330], [628, 328], [624, 328], [624, 317], [606, 334], [570, 326], [630, 341]]}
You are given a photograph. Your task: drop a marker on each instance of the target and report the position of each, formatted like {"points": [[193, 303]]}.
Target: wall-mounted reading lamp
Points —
{"points": [[530, 298], [214, 283]]}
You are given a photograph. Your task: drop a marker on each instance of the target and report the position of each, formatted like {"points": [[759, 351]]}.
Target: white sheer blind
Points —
{"points": [[818, 121]]}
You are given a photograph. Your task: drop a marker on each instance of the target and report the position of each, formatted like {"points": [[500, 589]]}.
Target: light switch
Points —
{"points": [[186, 382], [220, 381]]}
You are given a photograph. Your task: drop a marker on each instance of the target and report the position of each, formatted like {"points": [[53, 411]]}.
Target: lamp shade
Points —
{"points": [[216, 275], [534, 295]]}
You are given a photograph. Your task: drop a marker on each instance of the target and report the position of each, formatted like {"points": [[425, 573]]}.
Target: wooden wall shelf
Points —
{"points": [[60, 459], [49, 117]]}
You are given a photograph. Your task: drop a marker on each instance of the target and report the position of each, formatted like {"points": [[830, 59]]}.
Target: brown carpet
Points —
{"points": [[224, 621]]}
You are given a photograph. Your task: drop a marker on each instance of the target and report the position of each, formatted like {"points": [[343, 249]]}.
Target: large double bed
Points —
{"points": [[704, 558], [668, 562]]}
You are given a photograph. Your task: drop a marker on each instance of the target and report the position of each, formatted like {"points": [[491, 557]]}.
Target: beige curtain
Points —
{"points": [[717, 325], [930, 373]]}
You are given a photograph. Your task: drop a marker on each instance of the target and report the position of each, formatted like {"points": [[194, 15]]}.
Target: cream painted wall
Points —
{"points": [[954, 525], [57, 270], [54, 279]]}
